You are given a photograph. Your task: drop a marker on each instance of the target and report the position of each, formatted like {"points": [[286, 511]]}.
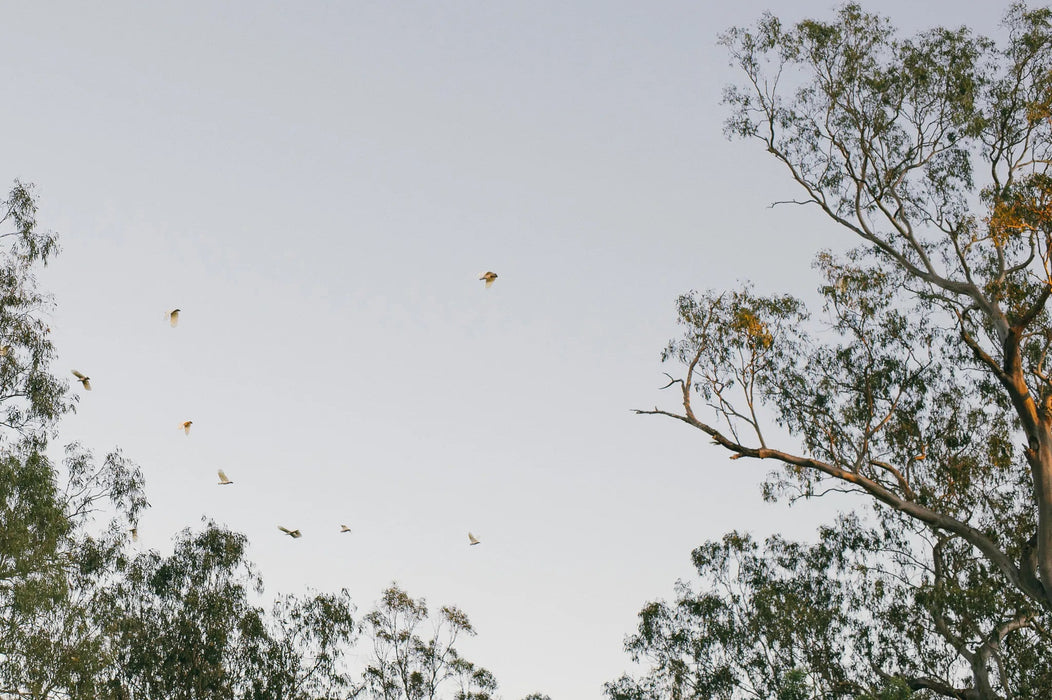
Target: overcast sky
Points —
{"points": [[318, 185]]}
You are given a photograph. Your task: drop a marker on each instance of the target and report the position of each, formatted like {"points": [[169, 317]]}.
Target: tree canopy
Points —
{"points": [[922, 382]]}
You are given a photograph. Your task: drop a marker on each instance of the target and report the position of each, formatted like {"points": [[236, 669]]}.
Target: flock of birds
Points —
{"points": [[173, 320]]}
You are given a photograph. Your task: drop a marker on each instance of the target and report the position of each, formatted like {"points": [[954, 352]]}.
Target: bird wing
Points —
{"points": [[489, 282], [173, 318], [222, 477], [78, 375], [472, 539], [186, 426], [86, 383], [285, 530]]}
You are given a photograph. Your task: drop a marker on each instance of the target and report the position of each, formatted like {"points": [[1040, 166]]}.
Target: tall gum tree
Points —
{"points": [[53, 553], [924, 382]]}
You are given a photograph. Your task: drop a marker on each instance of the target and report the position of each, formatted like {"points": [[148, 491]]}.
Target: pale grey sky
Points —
{"points": [[318, 185]]}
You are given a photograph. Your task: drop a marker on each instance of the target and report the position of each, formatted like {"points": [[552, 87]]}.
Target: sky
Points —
{"points": [[317, 186]]}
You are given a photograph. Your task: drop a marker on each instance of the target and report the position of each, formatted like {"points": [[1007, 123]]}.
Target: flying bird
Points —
{"points": [[489, 277], [473, 540], [223, 481], [344, 528], [83, 380], [173, 317], [291, 533], [185, 425]]}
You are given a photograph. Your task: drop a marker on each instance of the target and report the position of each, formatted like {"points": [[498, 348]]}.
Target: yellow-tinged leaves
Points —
{"points": [[1025, 209], [745, 321]]}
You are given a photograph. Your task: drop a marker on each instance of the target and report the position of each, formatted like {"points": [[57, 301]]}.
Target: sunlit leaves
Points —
{"points": [[734, 343]]}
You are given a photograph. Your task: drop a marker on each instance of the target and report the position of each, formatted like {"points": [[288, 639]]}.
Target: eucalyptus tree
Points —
{"points": [[302, 649], [921, 384], [413, 654], [52, 550], [178, 625], [54, 644], [32, 399], [189, 626]]}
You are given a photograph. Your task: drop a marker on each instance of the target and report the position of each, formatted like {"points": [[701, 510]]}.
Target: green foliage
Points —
{"points": [[49, 563], [758, 616], [922, 384], [414, 660], [31, 398], [185, 627], [791, 620], [301, 653], [176, 621]]}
